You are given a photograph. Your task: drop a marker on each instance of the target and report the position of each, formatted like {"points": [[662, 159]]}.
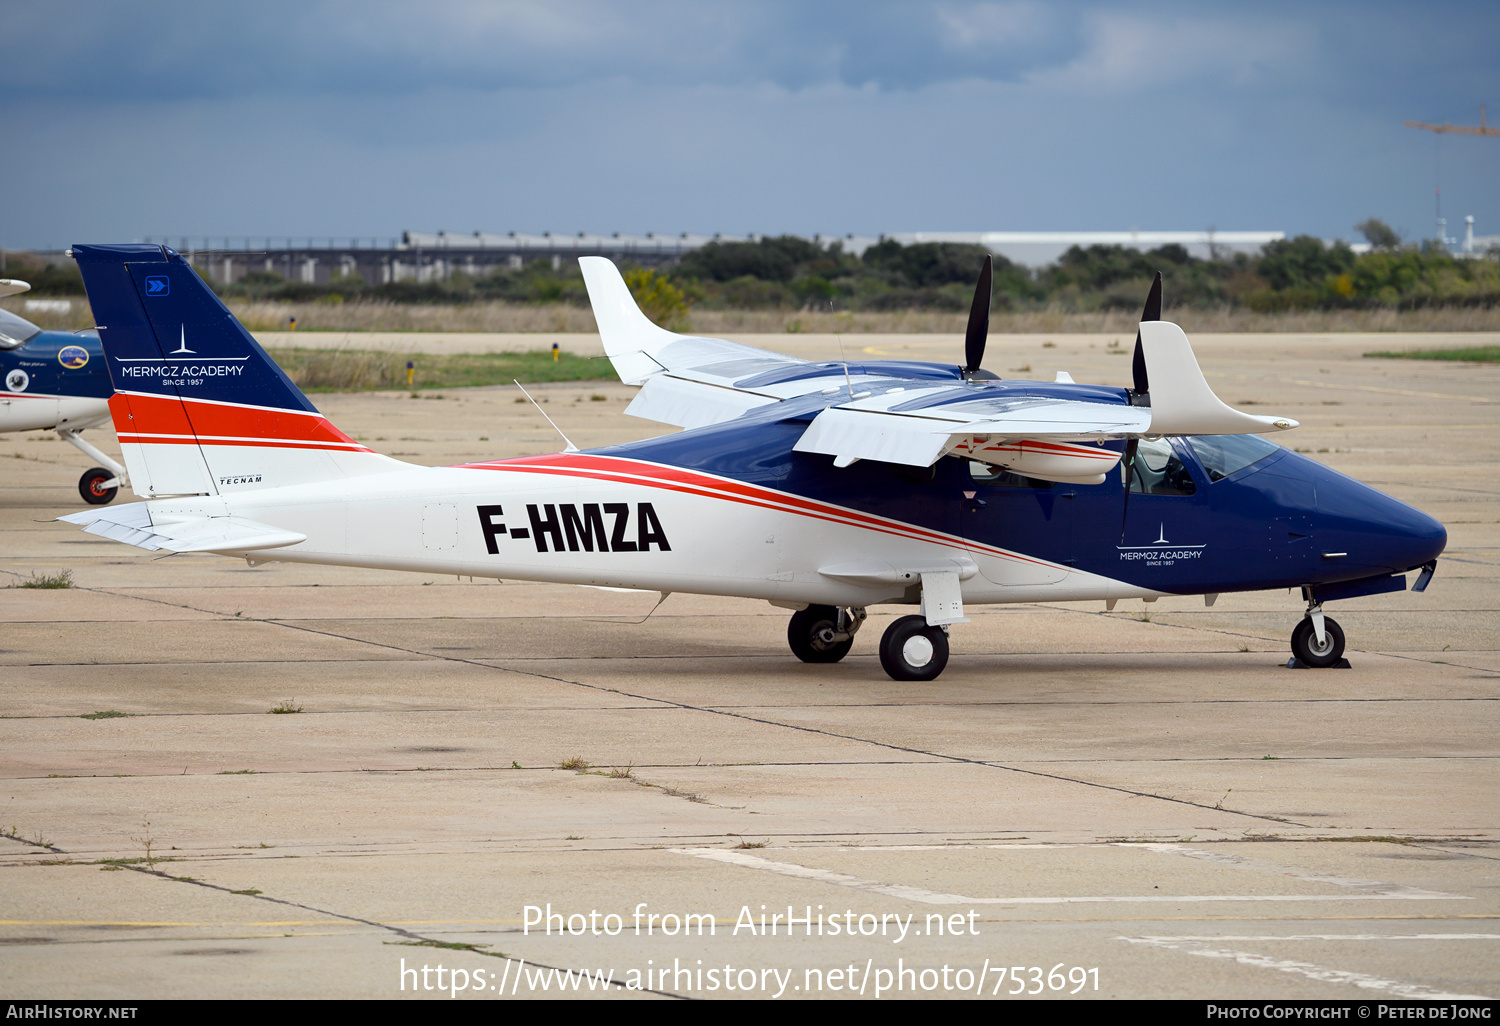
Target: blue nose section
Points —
{"points": [[1377, 533]]}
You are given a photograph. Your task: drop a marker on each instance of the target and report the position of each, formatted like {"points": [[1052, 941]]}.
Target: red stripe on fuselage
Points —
{"points": [[163, 420], [626, 471]]}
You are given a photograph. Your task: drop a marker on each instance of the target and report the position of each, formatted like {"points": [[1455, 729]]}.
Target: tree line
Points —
{"points": [[788, 272]]}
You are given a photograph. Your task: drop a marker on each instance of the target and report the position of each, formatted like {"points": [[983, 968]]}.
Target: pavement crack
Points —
{"points": [[411, 937], [890, 746]]}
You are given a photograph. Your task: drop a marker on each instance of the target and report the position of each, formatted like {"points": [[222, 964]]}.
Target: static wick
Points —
{"points": [[570, 446]]}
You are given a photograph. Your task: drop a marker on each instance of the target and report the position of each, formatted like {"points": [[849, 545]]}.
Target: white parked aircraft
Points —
{"points": [[825, 488]]}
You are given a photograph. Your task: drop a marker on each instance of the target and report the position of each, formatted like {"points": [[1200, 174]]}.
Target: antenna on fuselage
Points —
{"points": [[848, 381], [570, 446]]}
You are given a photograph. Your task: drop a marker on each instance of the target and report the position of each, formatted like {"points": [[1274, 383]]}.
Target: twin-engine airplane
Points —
{"points": [[56, 381], [825, 488]]}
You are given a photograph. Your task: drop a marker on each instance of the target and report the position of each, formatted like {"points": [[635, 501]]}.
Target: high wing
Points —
{"points": [[914, 413], [689, 381]]}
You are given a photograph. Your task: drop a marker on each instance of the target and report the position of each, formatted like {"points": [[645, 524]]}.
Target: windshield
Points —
{"points": [[15, 330], [1222, 455]]}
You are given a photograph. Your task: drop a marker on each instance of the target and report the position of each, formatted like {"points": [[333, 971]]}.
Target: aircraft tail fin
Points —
{"points": [[199, 407]]}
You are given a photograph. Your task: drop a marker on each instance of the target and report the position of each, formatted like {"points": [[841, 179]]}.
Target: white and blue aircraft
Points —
{"points": [[825, 488], [56, 381]]}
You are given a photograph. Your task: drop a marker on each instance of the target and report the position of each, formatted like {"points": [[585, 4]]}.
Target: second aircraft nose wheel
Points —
{"points": [[911, 650], [91, 486]]}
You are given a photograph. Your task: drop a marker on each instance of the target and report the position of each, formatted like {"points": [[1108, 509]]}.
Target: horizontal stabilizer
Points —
{"points": [[1182, 403], [132, 525]]}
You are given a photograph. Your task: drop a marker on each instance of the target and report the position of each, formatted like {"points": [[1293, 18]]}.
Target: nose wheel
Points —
{"points": [[823, 634], [911, 650], [1318, 640]]}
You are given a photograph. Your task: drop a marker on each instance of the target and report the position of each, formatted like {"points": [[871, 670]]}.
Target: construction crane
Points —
{"points": [[1440, 131], [1480, 129]]}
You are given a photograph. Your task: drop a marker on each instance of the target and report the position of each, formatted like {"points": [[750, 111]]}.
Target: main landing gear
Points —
{"points": [[909, 649], [823, 634], [98, 486], [1318, 640]]}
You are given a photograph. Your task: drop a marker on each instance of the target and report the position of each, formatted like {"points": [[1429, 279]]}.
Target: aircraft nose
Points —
{"points": [[1376, 532]]}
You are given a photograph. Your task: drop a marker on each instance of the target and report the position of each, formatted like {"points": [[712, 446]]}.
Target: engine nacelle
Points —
{"points": [[1047, 461]]}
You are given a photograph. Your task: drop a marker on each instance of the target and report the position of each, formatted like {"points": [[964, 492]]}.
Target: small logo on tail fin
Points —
{"points": [[182, 343], [158, 285]]}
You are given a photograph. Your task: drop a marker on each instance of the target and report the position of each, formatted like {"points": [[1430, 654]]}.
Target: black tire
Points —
{"points": [[90, 486], [1305, 643], [804, 632], [904, 654]]}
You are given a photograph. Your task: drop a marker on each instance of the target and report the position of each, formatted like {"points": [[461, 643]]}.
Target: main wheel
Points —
{"points": [[911, 650], [811, 635], [1306, 648], [91, 487]]}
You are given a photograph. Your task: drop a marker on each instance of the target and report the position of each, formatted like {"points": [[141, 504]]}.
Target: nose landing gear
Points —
{"points": [[1318, 640]]}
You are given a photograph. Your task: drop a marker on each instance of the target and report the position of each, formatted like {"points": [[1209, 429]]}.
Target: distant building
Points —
{"points": [[1037, 249], [422, 257]]}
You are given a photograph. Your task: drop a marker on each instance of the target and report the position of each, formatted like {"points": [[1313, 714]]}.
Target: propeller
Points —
{"points": [[1140, 393], [1128, 461], [979, 321], [1152, 312]]}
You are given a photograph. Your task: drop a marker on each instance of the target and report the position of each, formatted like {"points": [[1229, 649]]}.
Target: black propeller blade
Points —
{"points": [[1140, 393], [1138, 362], [1128, 461], [979, 321]]}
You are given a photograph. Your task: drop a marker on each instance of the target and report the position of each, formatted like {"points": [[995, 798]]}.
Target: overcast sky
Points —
{"points": [[354, 117]]}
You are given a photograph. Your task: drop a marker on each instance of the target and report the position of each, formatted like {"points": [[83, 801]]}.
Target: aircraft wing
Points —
{"points": [[912, 419], [687, 380], [132, 524], [918, 426]]}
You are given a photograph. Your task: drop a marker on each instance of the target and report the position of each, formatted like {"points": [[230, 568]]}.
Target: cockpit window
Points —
{"points": [[15, 330], [1159, 470], [1222, 455]]}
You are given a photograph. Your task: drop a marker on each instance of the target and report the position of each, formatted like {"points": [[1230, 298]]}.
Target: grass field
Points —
{"points": [[1470, 354], [559, 317], [364, 370]]}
